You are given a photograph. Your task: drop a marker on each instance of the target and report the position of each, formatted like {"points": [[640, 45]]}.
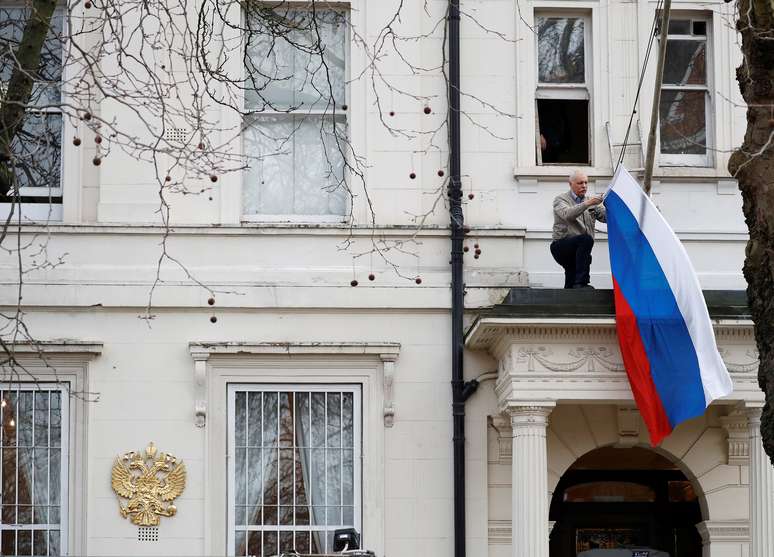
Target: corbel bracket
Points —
{"points": [[388, 363], [200, 387]]}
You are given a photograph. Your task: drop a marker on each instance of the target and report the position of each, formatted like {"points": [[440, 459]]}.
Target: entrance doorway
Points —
{"points": [[615, 498]]}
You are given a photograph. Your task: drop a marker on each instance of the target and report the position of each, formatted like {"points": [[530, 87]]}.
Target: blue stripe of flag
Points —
{"points": [[670, 351]]}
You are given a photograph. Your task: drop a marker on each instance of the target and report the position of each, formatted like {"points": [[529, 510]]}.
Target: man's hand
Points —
{"points": [[591, 201]]}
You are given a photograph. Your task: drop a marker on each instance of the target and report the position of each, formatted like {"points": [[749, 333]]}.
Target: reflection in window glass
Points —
{"points": [[683, 122], [295, 146], [685, 94], [685, 63], [31, 442], [561, 50], [294, 477], [36, 147]]}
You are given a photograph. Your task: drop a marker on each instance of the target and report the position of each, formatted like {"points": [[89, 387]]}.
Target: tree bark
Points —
{"points": [[13, 104], [753, 166]]}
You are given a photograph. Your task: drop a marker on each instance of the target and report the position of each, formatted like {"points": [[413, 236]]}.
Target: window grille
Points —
{"points": [[33, 468], [294, 467]]}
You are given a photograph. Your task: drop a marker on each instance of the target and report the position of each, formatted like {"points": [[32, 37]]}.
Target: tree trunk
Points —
{"points": [[753, 166], [13, 104]]}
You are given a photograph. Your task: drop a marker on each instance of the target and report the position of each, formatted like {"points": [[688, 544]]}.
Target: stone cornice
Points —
{"points": [[578, 359], [488, 333], [712, 531]]}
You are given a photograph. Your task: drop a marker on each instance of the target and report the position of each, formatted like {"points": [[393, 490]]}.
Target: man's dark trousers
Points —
{"points": [[574, 254]]}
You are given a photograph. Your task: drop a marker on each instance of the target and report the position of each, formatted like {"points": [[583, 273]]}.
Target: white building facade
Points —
{"points": [[301, 404]]}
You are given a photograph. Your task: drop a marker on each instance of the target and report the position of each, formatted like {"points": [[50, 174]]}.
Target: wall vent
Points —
{"points": [[147, 534], [177, 135]]}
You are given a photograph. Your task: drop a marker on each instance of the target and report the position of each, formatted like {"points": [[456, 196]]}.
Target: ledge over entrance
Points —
{"points": [[555, 346], [522, 302]]}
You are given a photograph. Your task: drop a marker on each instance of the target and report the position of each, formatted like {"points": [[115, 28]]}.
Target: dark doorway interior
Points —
{"points": [[614, 498]]}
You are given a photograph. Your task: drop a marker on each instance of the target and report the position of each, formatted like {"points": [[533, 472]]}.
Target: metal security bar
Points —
{"points": [[33, 470], [294, 467]]}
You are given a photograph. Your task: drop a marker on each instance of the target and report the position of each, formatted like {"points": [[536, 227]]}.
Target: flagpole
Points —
{"points": [[654, 115]]}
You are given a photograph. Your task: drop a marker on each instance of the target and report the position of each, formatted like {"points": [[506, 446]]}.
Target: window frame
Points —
{"points": [[66, 364], [566, 91], [64, 465], [217, 364], [329, 114], [698, 161], [48, 210], [356, 390]]}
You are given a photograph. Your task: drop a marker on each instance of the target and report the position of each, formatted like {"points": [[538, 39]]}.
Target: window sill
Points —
{"points": [[548, 172], [554, 170], [294, 219], [32, 213]]}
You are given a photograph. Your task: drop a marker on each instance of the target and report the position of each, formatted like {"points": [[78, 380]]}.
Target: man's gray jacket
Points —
{"points": [[573, 219]]}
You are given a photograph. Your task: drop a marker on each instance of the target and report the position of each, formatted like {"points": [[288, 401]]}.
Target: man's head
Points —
{"points": [[579, 183]]}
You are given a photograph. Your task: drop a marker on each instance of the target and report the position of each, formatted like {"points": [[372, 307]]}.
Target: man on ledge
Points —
{"points": [[573, 236]]}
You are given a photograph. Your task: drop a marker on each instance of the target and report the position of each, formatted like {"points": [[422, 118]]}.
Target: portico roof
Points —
{"points": [[561, 345]]}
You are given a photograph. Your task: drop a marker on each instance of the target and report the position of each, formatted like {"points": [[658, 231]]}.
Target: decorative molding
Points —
{"points": [[295, 348], [628, 426], [200, 387], [723, 531], [488, 333], [56, 346], [500, 532], [203, 352], [737, 429], [580, 357], [751, 366], [529, 417], [388, 363], [502, 425]]}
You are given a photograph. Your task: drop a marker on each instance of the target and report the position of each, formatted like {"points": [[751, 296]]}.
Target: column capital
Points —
{"points": [[754, 416], [529, 415]]}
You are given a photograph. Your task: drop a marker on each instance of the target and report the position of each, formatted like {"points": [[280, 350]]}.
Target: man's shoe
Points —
{"points": [[585, 286]]}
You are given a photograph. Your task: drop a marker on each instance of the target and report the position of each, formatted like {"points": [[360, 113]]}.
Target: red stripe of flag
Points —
{"points": [[638, 369]]}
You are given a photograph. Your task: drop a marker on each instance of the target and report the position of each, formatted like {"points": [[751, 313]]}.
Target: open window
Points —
{"points": [[562, 99], [684, 110]]}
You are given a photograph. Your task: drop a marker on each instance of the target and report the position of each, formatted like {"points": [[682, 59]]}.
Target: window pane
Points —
{"points": [[31, 445], [46, 89], [679, 26], [683, 122], [685, 63], [561, 50], [564, 130], [287, 66], [295, 165], [36, 150], [308, 476]]}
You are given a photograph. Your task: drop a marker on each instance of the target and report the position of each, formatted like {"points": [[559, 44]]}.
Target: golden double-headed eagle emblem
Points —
{"points": [[149, 482]]}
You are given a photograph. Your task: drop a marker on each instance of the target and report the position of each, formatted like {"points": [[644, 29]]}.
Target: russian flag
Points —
{"points": [[664, 330]]}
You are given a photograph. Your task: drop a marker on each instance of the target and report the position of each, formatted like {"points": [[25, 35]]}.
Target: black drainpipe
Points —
{"points": [[460, 390]]}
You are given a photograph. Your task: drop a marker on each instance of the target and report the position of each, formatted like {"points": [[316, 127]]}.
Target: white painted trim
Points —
{"points": [[69, 369], [275, 229], [356, 391], [294, 348], [313, 369]]}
